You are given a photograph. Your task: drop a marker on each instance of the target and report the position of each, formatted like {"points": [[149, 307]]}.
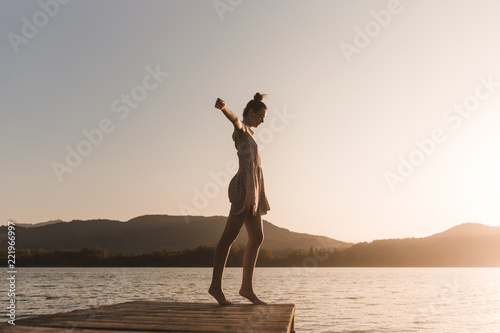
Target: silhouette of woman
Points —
{"points": [[248, 200]]}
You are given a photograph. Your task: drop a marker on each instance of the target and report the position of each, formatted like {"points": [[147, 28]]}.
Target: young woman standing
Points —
{"points": [[248, 200]]}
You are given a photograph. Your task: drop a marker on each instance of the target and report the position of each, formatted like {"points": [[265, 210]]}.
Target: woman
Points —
{"points": [[248, 200]]}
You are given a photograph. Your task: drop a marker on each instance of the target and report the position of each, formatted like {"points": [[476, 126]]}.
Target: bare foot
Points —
{"points": [[219, 296], [250, 295]]}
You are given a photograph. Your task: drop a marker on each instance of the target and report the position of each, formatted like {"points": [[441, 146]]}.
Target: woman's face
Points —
{"points": [[257, 117]]}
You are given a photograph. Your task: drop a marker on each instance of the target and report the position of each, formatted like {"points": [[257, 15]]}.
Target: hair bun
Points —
{"points": [[259, 97]]}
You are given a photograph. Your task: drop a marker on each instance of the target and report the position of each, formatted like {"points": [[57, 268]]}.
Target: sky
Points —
{"points": [[382, 116]]}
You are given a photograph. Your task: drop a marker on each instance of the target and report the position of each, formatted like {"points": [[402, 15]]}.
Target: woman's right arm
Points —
{"points": [[221, 105]]}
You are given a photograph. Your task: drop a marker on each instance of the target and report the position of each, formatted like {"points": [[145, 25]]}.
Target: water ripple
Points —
{"points": [[328, 300]]}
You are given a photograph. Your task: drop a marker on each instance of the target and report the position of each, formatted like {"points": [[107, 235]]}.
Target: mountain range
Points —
{"points": [[467, 244], [148, 233]]}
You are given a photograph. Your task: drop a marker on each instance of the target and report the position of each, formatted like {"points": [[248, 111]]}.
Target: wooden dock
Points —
{"points": [[155, 316]]}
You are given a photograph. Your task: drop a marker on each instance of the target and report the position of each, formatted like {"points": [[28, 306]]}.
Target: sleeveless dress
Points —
{"points": [[247, 186]]}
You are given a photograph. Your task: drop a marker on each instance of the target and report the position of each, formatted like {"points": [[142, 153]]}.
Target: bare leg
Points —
{"points": [[255, 238], [231, 231]]}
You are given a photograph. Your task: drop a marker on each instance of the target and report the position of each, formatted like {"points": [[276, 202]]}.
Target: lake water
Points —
{"points": [[358, 300]]}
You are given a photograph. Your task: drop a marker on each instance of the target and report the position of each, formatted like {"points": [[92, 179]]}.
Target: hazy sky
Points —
{"points": [[382, 119]]}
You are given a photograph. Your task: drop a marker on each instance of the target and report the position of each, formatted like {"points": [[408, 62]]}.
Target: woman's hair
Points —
{"points": [[255, 104]]}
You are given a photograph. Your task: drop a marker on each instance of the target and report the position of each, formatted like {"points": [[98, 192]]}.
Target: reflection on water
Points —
{"points": [[326, 299]]}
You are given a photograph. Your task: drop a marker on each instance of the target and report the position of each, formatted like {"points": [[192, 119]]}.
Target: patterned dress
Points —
{"points": [[247, 186]]}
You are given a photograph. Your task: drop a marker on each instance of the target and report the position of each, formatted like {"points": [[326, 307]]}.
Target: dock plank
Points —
{"points": [[156, 316]]}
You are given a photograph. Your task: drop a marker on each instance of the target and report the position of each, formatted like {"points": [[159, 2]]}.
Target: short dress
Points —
{"points": [[247, 186]]}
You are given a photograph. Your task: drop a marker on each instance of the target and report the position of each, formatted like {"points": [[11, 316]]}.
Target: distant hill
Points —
{"points": [[148, 233], [465, 245], [34, 225], [469, 229]]}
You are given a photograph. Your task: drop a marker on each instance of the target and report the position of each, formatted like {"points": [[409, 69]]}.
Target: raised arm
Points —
{"points": [[221, 105]]}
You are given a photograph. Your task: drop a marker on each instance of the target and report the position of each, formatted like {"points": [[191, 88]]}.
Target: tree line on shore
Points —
{"points": [[413, 252]]}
